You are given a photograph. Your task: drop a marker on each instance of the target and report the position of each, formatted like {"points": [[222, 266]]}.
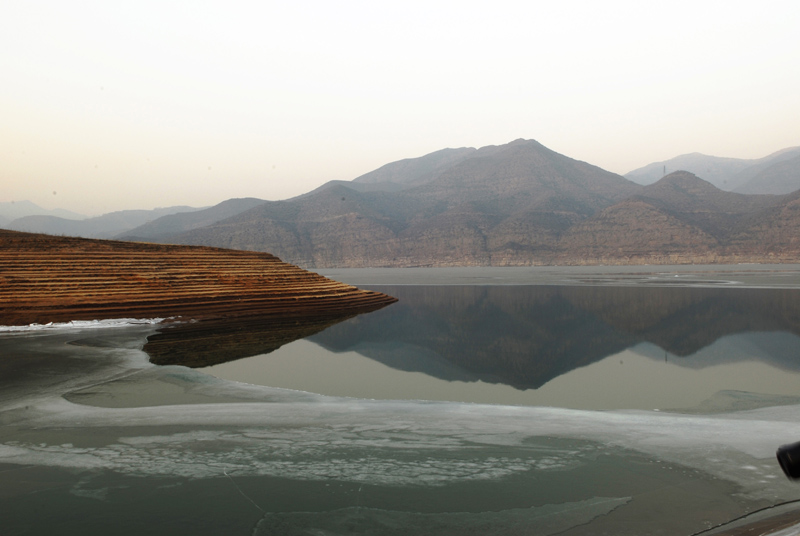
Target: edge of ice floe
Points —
{"points": [[83, 324]]}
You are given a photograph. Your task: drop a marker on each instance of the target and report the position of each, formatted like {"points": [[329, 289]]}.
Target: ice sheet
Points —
{"points": [[328, 437], [262, 432], [81, 325]]}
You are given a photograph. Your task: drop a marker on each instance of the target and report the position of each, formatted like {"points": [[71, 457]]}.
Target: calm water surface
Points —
{"points": [[572, 347], [573, 402]]}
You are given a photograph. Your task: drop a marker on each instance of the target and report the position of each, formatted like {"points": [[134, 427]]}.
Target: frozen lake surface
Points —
{"points": [[97, 439]]}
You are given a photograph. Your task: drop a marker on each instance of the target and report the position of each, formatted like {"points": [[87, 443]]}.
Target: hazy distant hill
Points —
{"points": [[725, 173], [105, 226], [714, 169], [12, 210], [780, 177], [166, 226]]}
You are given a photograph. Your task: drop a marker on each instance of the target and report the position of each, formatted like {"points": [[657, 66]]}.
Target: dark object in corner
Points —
{"points": [[789, 458]]}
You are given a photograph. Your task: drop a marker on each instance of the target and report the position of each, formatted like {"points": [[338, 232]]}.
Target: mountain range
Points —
{"points": [[514, 204], [105, 226], [777, 173], [12, 210]]}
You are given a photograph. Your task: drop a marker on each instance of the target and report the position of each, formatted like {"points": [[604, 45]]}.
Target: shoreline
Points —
{"points": [[707, 275]]}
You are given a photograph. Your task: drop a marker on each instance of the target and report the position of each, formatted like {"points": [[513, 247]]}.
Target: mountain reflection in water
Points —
{"points": [[525, 336], [546, 345]]}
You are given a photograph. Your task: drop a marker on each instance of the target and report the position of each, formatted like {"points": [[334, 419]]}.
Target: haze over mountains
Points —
{"points": [[12, 210], [105, 226], [514, 204], [777, 173], [180, 222]]}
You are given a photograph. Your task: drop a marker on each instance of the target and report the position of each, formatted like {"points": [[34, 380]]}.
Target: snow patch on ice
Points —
{"points": [[83, 324], [374, 457], [791, 531]]}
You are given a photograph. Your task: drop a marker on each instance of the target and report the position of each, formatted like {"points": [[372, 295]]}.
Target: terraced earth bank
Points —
{"points": [[57, 279]]}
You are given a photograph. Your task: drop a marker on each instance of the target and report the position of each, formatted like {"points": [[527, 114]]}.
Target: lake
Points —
{"points": [[635, 400]]}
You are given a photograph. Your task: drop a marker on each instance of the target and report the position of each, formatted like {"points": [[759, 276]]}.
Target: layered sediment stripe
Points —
{"points": [[52, 279]]}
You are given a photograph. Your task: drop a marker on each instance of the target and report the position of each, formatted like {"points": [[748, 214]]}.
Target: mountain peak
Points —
{"points": [[685, 181]]}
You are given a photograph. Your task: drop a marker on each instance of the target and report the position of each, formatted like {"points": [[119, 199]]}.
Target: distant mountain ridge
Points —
{"points": [[517, 204], [105, 226], [776, 173], [493, 205], [143, 225], [780, 177], [683, 219], [175, 223], [514, 204], [12, 210]]}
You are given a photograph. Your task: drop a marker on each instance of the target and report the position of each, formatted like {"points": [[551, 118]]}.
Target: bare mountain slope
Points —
{"points": [[781, 177], [415, 171], [773, 232], [497, 205], [701, 204], [324, 229], [683, 219], [517, 204], [177, 223], [402, 174], [528, 168]]}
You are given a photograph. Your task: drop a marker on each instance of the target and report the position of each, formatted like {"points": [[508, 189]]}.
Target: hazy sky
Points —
{"points": [[112, 105]]}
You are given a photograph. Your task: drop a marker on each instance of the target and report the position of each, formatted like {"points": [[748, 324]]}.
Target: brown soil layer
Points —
{"points": [[56, 279]]}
